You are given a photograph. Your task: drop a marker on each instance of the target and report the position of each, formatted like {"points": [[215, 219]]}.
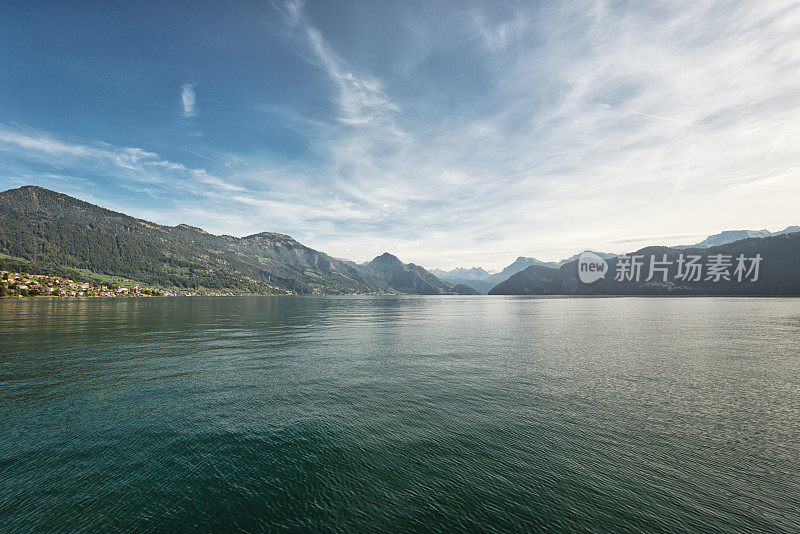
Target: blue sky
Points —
{"points": [[449, 133]]}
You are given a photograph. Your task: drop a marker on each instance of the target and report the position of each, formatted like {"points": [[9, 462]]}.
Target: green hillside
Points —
{"points": [[42, 231]]}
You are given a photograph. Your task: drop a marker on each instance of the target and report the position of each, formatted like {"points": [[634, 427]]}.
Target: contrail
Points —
{"points": [[770, 139], [209, 158], [676, 121]]}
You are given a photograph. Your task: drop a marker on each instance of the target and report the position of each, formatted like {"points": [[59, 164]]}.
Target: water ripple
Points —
{"points": [[418, 414]]}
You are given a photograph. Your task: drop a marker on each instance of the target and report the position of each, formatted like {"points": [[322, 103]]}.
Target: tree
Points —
{"points": [[3, 290]]}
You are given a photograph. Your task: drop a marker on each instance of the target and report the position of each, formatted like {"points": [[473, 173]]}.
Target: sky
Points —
{"points": [[448, 133]]}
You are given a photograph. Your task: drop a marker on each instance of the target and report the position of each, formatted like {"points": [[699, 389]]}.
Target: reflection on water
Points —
{"points": [[409, 413]]}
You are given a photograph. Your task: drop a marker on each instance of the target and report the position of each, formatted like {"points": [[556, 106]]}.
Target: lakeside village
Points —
{"points": [[41, 285]]}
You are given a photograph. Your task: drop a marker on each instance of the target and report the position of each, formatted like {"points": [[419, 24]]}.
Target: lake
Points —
{"points": [[409, 414]]}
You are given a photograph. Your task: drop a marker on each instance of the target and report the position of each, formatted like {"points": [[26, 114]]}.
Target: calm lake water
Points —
{"points": [[400, 413]]}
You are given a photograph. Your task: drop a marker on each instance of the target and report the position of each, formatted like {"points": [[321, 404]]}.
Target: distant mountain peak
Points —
{"points": [[482, 280], [387, 258], [269, 235], [473, 273], [410, 278], [520, 263], [730, 236], [36, 189]]}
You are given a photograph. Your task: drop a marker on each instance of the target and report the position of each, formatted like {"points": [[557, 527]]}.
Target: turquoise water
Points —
{"points": [[409, 414]]}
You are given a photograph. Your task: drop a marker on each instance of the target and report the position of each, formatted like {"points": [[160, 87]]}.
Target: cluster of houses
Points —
{"points": [[31, 285]]}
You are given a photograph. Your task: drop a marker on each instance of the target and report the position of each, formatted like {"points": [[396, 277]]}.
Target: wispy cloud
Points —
{"points": [[249, 198], [496, 37], [189, 100], [594, 120], [24, 146], [361, 98]]}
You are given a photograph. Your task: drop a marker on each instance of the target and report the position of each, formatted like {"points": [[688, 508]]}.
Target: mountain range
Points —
{"points": [[771, 267], [483, 281], [46, 232], [729, 236]]}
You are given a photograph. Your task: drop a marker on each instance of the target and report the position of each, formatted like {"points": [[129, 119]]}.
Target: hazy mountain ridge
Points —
{"points": [[460, 273], [410, 278], [730, 236], [482, 280], [779, 273], [49, 232], [475, 278]]}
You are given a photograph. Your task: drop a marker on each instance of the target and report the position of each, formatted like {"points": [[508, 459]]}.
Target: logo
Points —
{"points": [[688, 268], [591, 267]]}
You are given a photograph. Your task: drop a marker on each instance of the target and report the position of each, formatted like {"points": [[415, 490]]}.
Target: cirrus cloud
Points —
{"points": [[189, 100]]}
